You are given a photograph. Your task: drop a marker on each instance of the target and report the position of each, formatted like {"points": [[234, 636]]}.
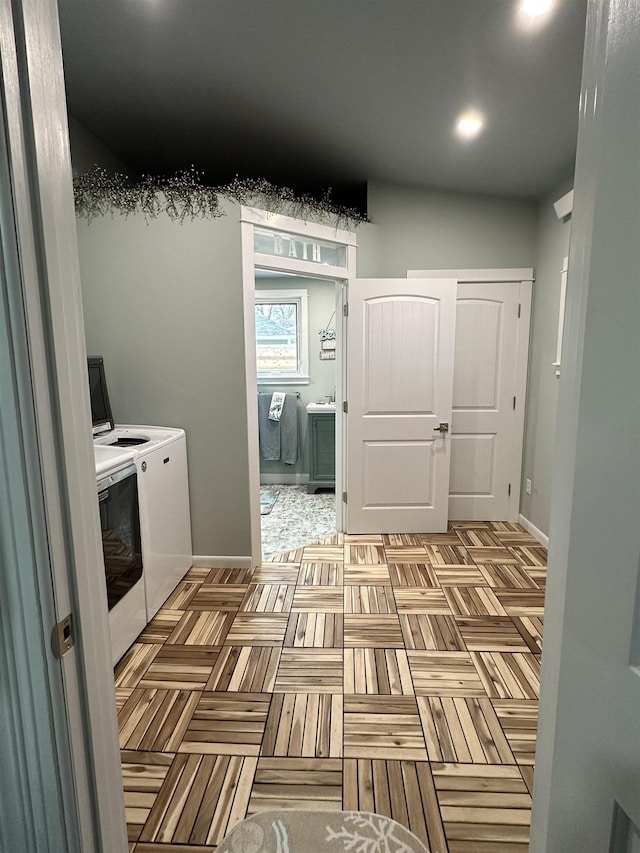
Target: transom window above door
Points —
{"points": [[282, 337]]}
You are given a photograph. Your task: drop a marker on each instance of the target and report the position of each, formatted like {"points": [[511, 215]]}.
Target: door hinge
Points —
{"points": [[345, 309], [345, 407], [509, 490], [514, 402], [344, 497], [62, 637], [519, 309]]}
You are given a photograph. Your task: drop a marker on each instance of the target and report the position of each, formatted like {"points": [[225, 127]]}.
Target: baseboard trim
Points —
{"points": [[542, 538], [284, 479], [202, 561]]}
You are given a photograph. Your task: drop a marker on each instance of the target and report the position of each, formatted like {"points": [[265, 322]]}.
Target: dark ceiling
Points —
{"points": [[329, 93]]}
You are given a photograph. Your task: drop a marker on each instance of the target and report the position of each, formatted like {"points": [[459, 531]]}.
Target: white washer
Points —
{"points": [[160, 455], [116, 478]]}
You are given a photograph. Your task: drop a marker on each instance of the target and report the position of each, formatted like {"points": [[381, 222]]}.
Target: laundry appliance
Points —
{"points": [[117, 486], [160, 458]]}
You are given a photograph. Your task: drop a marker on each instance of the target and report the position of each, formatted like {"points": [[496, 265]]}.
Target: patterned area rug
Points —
{"points": [[291, 831], [267, 500]]}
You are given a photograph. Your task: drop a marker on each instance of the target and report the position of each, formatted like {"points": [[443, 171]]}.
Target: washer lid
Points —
{"points": [[109, 459]]}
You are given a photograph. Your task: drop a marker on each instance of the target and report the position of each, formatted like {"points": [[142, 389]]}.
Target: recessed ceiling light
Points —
{"points": [[535, 8], [469, 125]]}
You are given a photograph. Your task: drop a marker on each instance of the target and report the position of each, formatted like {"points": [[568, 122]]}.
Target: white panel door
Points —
{"points": [[484, 396], [400, 346]]}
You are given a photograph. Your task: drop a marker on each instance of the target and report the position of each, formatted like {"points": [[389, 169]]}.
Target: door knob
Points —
{"points": [[443, 427]]}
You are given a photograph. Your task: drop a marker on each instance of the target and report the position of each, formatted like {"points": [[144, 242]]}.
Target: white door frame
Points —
{"points": [[249, 219], [49, 283], [524, 279]]}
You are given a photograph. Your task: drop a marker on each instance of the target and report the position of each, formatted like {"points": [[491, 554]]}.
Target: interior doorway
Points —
{"points": [[296, 362]]}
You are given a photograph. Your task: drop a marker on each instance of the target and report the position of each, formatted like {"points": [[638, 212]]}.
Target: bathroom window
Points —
{"points": [[282, 340]]}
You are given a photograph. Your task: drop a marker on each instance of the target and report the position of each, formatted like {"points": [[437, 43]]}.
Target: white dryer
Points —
{"points": [[116, 478], [160, 456]]}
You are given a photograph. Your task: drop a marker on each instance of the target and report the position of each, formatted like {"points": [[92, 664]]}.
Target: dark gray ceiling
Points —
{"points": [[329, 93]]}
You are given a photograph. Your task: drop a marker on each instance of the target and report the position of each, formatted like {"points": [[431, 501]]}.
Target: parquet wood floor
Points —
{"points": [[390, 673]]}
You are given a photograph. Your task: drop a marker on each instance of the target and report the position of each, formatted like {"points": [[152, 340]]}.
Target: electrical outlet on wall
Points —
{"points": [[527, 486]]}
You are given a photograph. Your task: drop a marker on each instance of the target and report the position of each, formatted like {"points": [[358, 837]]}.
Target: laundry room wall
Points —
{"points": [[417, 228], [163, 305], [552, 245], [322, 374]]}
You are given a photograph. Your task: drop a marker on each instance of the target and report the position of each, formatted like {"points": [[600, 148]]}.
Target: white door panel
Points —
{"points": [[399, 389], [490, 367], [483, 419]]}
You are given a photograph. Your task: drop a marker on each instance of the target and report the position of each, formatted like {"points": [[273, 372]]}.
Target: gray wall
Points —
{"points": [[413, 228], [322, 374], [87, 152], [163, 305], [552, 245]]}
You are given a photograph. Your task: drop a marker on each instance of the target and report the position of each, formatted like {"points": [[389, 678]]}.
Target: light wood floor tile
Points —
{"points": [[519, 719], [230, 576], [401, 790], [321, 574], [503, 556], [431, 631], [463, 730], [220, 597], [156, 720], [363, 538], [276, 573], [294, 556], [172, 673], [473, 601], [413, 574], [402, 540], [367, 574], [522, 602], [538, 574], [161, 626], [310, 671], [383, 727], [364, 554], [379, 631], [449, 574], [488, 805], [478, 537], [201, 628], [268, 598], [297, 783], [529, 555], [527, 775], [444, 674], [507, 577], [315, 630], [245, 669], [257, 629], [530, 628], [135, 663], [227, 724], [450, 538], [181, 597], [516, 537], [324, 554], [383, 672], [200, 573], [508, 676], [369, 599], [142, 775], [151, 847], [304, 725], [122, 694], [414, 554], [318, 599], [491, 633], [414, 599], [202, 798], [455, 554]]}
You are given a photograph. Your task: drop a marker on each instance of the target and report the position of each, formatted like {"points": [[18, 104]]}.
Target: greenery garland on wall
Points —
{"points": [[185, 196]]}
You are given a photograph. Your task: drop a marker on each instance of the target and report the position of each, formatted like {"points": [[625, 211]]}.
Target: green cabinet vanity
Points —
{"points": [[321, 438]]}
